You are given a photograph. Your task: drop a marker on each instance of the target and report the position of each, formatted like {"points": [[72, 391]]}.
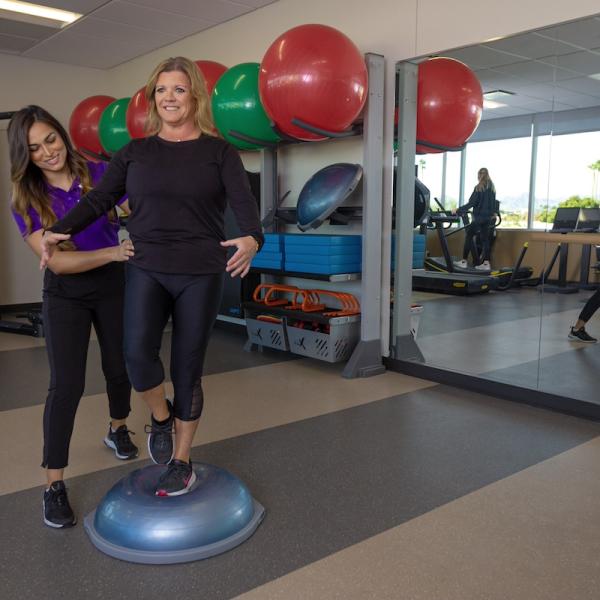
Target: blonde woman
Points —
{"points": [[178, 180], [483, 203]]}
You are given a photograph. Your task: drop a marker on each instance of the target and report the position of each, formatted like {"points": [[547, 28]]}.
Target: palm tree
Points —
{"points": [[595, 167]]}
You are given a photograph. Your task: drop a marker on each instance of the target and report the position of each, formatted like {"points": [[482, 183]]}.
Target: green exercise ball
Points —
{"points": [[236, 107], [112, 129]]}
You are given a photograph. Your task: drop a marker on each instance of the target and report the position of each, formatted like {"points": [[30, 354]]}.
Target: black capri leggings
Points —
{"points": [[591, 306], [193, 302], [72, 304]]}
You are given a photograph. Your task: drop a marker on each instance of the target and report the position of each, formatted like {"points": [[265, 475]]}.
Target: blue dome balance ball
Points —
{"points": [[324, 192], [133, 524]]}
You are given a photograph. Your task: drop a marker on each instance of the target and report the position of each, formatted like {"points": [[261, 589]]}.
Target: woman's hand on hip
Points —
{"points": [[239, 263], [48, 243], [124, 251]]}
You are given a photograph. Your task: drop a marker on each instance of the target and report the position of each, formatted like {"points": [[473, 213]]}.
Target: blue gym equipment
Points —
{"points": [[133, 524]]}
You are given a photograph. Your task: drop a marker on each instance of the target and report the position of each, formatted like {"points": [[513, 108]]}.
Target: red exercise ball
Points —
{"points": [[83, 124], [316, 74], [449, 104], [212, 71], [137, 111]]}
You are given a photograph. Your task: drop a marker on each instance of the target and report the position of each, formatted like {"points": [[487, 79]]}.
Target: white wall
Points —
{"points": [[58, 88], [398, 29]]}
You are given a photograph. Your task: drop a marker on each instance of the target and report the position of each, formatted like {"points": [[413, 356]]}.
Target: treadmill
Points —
{"points": [[440, 274]]}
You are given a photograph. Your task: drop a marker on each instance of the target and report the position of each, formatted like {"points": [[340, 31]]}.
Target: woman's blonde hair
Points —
{"points": [[202, 113], [28, 182], [485, 181]]}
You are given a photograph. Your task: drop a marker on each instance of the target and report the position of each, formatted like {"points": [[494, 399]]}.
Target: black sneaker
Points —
{"points": [[160, 440], [177, 479], [121, 443], [581, 335], [57, 510]]}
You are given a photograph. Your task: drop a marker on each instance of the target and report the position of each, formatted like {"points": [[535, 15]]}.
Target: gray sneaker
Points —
{"points": [[160, 438], [581, 335]]}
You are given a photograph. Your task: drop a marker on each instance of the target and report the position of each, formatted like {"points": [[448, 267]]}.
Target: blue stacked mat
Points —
{"points": [[271, 254], [322, 254]]}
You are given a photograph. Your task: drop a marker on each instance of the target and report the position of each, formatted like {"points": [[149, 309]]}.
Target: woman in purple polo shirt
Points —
{"points": [[83, 285]]}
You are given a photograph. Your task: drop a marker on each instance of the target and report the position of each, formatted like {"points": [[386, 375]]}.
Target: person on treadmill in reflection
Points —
{"points": [[483, 203]]}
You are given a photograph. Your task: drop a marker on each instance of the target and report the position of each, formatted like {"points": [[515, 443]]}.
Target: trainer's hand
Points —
{"points": [[49, 242], [239, 263], [124, 251]]}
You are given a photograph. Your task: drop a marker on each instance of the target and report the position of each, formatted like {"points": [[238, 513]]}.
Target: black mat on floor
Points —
{"points": [[326, 482]]}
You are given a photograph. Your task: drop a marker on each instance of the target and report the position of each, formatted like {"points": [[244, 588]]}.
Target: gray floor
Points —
{"points": [[456, 332], [327, 483]]}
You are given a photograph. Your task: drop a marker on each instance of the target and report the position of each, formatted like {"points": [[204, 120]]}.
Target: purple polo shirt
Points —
{"points": [[102, 233]]}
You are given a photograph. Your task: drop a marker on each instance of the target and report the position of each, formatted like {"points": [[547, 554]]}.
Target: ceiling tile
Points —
{"points": [[150, 18], [34, 32], [535, 71], [531, 46], [584, 33], [585, 85], [215, 11], [110, 30], [71, 48], [14, 44], [78, 6], [478, 57], [586, 63], [254, 3]]}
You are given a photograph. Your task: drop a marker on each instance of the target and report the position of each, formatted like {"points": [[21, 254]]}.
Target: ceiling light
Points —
{"points": [[497, 94], [492, 104], [16, 10], [595, 76]]}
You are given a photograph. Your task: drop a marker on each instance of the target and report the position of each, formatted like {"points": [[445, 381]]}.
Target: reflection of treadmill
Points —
{"points": [[444, 278]]}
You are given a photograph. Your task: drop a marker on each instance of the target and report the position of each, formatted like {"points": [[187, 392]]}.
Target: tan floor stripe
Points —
{"points": [[532, 536], [237, 402]]}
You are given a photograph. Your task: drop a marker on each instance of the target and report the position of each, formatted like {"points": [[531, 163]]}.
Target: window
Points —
{"points": [[430, 170], [509, 163]]}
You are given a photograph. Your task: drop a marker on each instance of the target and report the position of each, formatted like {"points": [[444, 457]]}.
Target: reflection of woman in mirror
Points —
{"points": [[483, 203], [578, 332]]}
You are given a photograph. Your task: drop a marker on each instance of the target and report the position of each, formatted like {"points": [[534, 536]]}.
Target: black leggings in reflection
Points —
{"points": [[591, 306], [483, 228], [193, 302]]}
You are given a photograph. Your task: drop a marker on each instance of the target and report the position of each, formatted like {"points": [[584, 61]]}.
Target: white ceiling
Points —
{"points": [[116, 31], [547, 70]]}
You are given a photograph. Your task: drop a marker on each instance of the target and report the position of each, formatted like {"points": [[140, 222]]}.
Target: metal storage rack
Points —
{"points": [[366, 358]]}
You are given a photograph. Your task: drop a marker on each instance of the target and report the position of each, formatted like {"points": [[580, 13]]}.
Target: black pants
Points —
{"points": [[483, 228], [72, 304], [193, 303], [591, 306]]}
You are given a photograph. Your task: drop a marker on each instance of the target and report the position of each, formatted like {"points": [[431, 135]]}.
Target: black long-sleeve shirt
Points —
{"points": [[483, 203], [177, 194]]}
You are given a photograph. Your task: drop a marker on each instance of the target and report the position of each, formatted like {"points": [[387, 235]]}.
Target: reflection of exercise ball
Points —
{"points": [[133, 524], [212, 71], [449, 103], [135, 117], [236, 107], [316, 74], [83, 124], [112, 128]]}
